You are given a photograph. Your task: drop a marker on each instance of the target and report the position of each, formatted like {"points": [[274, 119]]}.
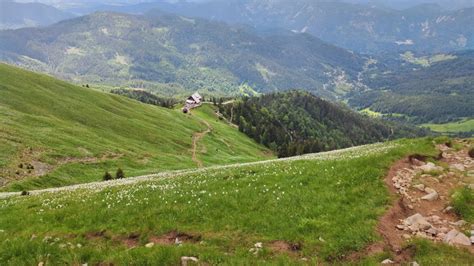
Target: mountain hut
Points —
{"points": [[193, 101]]}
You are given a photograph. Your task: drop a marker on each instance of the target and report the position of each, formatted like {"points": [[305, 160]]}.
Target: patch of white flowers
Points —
{"points": [[195, 188]]}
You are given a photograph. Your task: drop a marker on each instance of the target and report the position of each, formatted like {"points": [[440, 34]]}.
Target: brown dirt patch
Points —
{"points": [[418, 157], [175, 237], [284, 247], [132, 240], [386, 227], [96, 235], [106, 264]]}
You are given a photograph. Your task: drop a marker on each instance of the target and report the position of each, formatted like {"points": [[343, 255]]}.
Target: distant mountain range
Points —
{"points": [[365, 28], [173, 55], [404, 4], [18, 15], [436, 88]]}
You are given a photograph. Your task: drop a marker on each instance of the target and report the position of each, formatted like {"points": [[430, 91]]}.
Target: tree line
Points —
{"points": [[297, 122], [118, 175], [146, 97]]}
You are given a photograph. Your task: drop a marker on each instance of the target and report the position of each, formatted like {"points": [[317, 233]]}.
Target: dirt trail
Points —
{"points": [[410, 181], [196, 137]]}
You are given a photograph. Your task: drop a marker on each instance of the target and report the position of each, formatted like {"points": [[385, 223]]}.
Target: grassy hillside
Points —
{"points": [[70, 134], [321, 206], [465, 125], [221, 140]]}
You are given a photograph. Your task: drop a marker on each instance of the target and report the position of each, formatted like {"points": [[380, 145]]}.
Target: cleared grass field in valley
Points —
{"points": [[465, 125]]}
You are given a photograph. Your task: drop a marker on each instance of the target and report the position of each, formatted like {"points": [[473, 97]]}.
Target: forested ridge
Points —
{"points": [[366, 26], [439, 92], [296, 122]]}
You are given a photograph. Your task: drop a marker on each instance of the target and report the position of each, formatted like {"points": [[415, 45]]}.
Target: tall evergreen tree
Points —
{"points": [[120, 174], [107, 176]]}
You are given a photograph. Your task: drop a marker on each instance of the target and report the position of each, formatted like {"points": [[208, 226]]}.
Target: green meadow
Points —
{"points": [[73, 135], [325, 206], [465, 125]]}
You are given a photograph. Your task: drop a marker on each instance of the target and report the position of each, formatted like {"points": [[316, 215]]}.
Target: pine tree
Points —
{"points": [[107, 176], [120, 174]]}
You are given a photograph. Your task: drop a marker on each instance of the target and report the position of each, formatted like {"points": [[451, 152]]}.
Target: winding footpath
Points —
{"points": [[422, 206], [196, 138]]}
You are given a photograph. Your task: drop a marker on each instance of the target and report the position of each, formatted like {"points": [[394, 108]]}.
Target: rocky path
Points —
{"points": [[196, 137], [423, 207]]}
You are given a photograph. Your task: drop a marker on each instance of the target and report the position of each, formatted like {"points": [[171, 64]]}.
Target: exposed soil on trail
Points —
{"points": [[196, 138], [96, 235], [280, 246], [174, 237], [386, 226], [132, 240], [423, 191]]}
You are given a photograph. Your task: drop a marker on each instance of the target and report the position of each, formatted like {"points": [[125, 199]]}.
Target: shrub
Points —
{"points": [[120, 174], [463, 203], [449, 143], [107, 176], [471, 152]]}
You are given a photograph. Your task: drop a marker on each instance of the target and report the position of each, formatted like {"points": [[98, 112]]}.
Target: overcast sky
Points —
{"points": [[390, 3]]}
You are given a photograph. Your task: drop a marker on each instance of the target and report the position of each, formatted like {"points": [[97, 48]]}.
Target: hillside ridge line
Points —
{"points": [[99, 185]]}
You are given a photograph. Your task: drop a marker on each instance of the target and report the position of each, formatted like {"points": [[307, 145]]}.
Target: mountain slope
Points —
{"points": [[297, 122], [307, 210], [172, 56], [359, 27], [15, 15], [175, 55], [70, 134], [437, 88]]}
